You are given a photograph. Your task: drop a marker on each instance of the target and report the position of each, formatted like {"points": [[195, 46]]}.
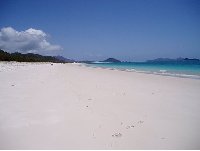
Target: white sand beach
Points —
{"points": [[68, 106]]}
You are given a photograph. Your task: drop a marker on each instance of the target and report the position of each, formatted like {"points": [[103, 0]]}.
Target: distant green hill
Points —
{"points": [[29, 57]]}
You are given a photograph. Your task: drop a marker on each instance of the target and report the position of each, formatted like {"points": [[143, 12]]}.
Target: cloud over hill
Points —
{"points": [[30, 40]]}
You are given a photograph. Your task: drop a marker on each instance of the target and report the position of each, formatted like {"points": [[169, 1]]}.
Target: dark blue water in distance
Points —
{"points": [[189, 70]]}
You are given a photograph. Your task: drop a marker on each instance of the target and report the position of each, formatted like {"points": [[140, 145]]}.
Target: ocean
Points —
{"points": [[184, 70]]}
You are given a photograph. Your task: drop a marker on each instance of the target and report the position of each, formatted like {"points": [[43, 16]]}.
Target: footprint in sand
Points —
{"points": [[132, 126], [117, 135], [93, 136], [140, 122], [128, 127]]}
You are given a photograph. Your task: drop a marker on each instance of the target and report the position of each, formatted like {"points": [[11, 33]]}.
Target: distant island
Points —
{"points": [[178, 60], [110, 60], [30, 57], [113, 60]]}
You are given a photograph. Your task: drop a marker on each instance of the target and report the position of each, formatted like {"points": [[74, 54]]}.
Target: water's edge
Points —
{"points": [[161, 72]]}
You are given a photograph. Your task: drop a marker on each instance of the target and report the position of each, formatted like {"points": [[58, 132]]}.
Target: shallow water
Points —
{"points": [[186, 70]]}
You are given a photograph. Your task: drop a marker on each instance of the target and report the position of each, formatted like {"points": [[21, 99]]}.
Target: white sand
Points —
{"points": [[66, 106]]}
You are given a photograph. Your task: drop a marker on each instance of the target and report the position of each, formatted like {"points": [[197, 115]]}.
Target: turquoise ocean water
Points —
{"points": [[185, 70]]}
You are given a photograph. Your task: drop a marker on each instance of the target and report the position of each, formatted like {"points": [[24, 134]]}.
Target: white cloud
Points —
{"points": [[30, 40]]}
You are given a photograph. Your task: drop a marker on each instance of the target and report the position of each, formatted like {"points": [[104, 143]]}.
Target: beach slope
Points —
{"points": [[70, 106]]}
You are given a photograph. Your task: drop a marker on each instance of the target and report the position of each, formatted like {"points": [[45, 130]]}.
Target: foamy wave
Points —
{"points": [[163, 71], [130, 70], [100, 62], [160, 72], [178, 75]]}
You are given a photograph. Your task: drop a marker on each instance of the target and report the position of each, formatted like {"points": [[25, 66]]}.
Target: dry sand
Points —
{"points": [[67, 106]]}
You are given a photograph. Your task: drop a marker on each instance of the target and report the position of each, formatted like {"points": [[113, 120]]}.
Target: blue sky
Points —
{"points": [[132, 30]]}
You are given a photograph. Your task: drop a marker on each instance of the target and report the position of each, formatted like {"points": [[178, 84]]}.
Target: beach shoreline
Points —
{"points": [[162, 72], [71, 106]]}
